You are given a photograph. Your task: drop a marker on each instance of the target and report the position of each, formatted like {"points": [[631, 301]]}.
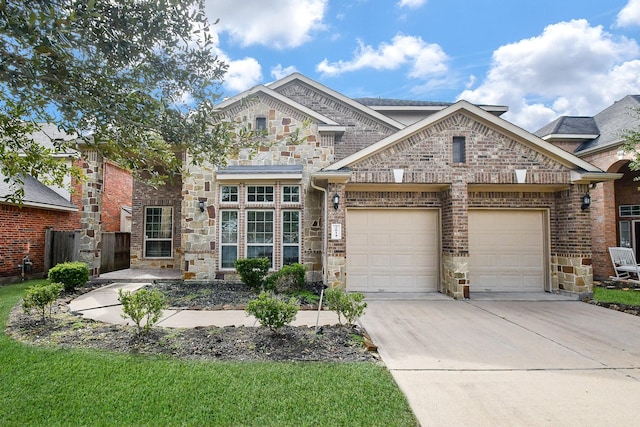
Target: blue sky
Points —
{"points": [[540, 58]]}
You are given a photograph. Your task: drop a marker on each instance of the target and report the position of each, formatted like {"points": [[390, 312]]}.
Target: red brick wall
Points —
{"points": [[22, 232], [118, 190]]}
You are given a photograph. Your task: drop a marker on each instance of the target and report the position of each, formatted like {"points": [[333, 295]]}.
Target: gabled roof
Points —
{"points": [[506, 127], [273, 94], [38, 195], [385, 104], [338, 96]]}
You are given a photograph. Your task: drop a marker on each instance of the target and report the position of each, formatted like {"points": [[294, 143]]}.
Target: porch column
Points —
{"points": [[92, 190]]}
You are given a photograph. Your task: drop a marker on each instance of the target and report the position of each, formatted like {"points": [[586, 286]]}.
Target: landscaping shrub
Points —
{"points": [[253, 271], [70, 274], [349, 305], [271, 311], [143, 304], [289, 279], [41, 297]]}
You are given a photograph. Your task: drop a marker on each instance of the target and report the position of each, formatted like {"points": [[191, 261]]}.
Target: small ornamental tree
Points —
{"points": [[142, 305], [350, 305], [41, 297]]}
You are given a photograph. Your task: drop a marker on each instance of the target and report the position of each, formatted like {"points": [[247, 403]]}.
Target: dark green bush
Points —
{"points": [[143, 304], [41, 297], [271, 311], [289, 279], [253, 271], [70, 274], [350, 305]]}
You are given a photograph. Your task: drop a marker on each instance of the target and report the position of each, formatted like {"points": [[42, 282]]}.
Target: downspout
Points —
{"points": [[324, 231]]}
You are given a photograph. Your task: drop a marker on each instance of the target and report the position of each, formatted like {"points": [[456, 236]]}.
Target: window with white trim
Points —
{"points": [[625, 234], [260, 193], [629, 210], [229, 194], [260, 234], [228, 238], [290, 194], [290, 237], [158, 232], [459, 149]]}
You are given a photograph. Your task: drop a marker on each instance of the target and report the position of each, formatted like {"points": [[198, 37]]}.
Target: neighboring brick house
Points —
{"points": [[94, 206], [615, 205], [380, 196]]}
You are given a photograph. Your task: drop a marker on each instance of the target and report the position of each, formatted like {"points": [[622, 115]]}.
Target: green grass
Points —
{"points": [[619, 296], [49, 386]]}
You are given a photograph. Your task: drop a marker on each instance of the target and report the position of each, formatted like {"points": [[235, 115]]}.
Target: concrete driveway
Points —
{"points": [[511, 363]]}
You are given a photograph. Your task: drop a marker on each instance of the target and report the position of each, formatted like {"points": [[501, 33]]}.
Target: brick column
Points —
{"points": [[336, 248], [455, 239]]}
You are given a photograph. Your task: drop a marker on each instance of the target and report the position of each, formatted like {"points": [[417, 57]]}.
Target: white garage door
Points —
{"points": [[506, 250], [392, 250]]}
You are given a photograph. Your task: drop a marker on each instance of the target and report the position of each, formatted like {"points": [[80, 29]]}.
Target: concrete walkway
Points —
{"points": [[102, 304], [482, 362]]}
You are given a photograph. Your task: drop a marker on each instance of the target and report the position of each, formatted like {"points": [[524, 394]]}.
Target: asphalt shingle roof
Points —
{"points": [[37, 193]]}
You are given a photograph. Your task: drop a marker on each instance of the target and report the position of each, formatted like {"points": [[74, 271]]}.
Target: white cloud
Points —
{"points": [[424, 59], [278, 24], [279, 71], [242, 74], [411, 4], [572, 68], [629, 15]]}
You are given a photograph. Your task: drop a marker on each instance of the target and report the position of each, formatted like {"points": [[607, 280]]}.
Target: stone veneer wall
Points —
{"points": [[200, 248], [571, 272], [455, 275], [91, 211]]}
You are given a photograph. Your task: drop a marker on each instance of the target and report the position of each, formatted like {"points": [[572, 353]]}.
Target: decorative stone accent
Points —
{"points": [[336, 272], [455, 271], [572, 273]]}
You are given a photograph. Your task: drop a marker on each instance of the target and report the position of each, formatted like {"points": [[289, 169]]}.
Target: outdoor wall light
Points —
{"points": [[336, 201], [586, 201], [201, 205]]}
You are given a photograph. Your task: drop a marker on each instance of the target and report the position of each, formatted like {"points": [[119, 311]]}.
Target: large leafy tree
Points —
{"points": [[134, 79]]}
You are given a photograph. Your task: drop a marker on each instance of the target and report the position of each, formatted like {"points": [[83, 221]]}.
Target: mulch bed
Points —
{"points": [[337, 343]]}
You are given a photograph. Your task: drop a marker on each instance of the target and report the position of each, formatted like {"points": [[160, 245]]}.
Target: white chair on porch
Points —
{"points": [[624, 264]]}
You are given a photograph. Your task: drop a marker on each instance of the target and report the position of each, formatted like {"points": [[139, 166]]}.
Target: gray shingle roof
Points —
{"points": [[570, 125], [36, 193], [610, 124], [379, 102]]}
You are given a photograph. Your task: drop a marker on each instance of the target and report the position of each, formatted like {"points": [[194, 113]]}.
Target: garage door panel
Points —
{"points": [[402, 254], [506, 250]]}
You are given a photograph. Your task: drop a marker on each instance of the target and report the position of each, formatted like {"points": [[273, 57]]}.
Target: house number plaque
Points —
{"points": [[336, 231]]}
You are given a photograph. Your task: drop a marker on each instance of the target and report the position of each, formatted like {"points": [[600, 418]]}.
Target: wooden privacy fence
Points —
{"points": [[60, 246], [115, 253]]}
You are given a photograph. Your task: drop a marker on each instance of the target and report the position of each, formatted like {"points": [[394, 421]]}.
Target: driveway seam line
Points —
{"points": [[535, 333]]}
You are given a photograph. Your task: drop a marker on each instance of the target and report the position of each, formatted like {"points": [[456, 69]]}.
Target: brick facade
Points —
{"points": [[118, 192], [485, 179]]}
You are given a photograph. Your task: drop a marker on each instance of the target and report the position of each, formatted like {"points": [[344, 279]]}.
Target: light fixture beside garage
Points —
{"points": [[336, 201], [586, 201]]}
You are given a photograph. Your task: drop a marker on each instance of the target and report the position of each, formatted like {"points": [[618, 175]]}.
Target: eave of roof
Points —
{"points": [[336, 95], [273, 94]]}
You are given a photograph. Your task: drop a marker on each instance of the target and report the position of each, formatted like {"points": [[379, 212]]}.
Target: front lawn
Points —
{"points": [[618, 296], [49, 386]]}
